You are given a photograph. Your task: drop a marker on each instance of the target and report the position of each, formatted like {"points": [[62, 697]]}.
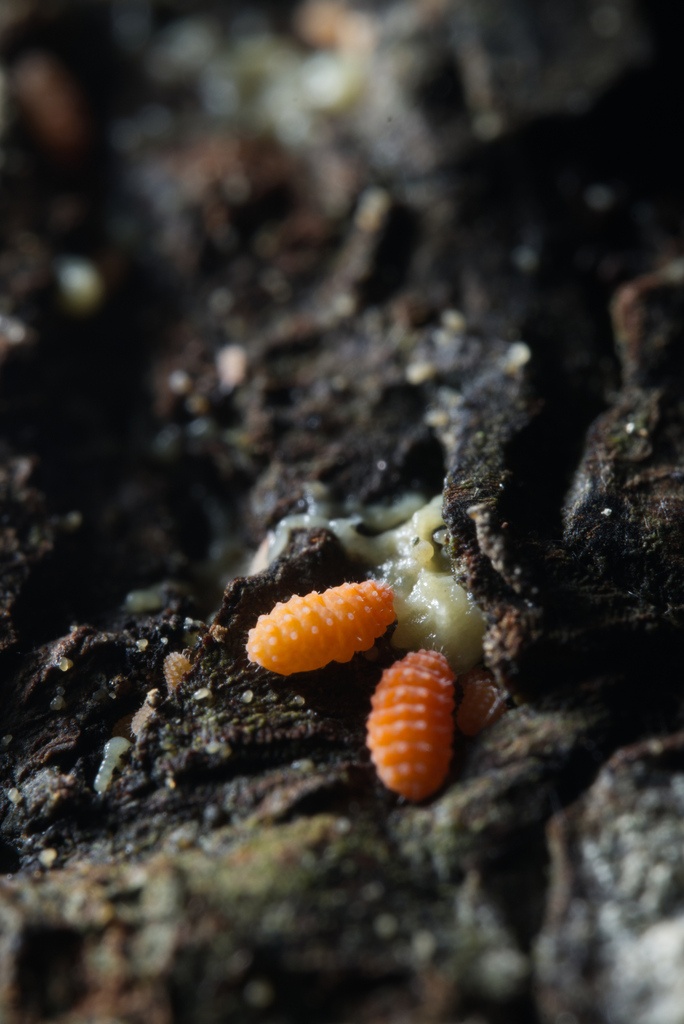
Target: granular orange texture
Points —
{"points": [[175, 667], [411, 726], [484, 702], [308, 632]]}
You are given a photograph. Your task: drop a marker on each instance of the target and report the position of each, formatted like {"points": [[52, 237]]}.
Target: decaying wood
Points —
{"points": [[416, 298]]}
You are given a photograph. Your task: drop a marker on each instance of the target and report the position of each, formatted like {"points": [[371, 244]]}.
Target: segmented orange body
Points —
{"points": [[483, 701], [411, 726], [175, 667], [305, 633]]}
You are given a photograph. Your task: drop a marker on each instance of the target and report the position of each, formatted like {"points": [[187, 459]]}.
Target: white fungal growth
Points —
{"points": [[111, 761], [433, 610]]}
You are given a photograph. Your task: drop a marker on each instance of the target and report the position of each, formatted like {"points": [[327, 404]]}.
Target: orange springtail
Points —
{"points": [[411, 728], [308, 632]]}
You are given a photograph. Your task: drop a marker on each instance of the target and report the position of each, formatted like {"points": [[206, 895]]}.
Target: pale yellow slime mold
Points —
{"points": [[433, 610]]}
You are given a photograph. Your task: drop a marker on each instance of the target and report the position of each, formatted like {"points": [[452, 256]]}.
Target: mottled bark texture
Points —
{"points": [[463, 274]]}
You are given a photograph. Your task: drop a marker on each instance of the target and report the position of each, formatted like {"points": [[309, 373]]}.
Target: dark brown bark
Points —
{"points": [[466, 280]]}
